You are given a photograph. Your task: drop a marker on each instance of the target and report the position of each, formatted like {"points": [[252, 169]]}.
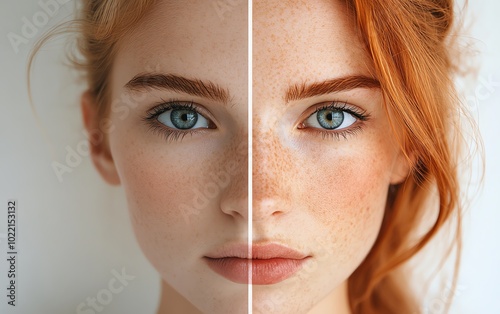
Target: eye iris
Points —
{"points": [[183, 118], [330, 119]]}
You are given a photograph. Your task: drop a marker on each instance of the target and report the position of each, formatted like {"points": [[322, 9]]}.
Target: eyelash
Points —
{"points": [[176, 135], [359, 114], [168, 133]]}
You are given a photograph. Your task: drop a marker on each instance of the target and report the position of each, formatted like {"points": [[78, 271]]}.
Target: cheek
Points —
{"points": [[345, 185], [345, 195], [156, 189], [165, 185]]}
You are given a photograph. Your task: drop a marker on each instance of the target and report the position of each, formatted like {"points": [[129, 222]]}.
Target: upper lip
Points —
{"points": [[268, 250]]}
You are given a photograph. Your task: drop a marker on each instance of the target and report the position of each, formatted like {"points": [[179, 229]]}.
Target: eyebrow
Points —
{"points": [[196, 87], [303, 90]]}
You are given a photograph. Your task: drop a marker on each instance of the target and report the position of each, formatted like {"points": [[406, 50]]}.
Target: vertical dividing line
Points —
{"points": [[250, 164]]}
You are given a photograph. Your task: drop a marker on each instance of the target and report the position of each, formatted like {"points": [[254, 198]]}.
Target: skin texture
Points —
{"points": [[186, 196], [323, 195]]}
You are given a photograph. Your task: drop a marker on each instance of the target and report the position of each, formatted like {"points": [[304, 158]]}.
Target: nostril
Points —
{"points": [[276, 213], [235, 208], [266, 208]]}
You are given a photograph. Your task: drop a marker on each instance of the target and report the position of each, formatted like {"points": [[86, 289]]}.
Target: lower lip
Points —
{"points": [[264, 271]]}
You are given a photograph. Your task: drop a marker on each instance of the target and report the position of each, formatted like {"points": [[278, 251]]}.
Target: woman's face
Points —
{"points": [[323, 151], [178, 140]]}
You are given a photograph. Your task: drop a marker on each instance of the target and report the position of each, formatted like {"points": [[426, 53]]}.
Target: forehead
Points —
{"points": [[300, 41], [191, 38]]}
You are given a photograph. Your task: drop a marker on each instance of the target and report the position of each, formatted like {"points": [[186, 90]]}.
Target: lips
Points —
{"points": [[264, 264]]}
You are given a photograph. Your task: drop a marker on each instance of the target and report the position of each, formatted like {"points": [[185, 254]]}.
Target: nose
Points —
{"points": [[270, 186], [234, 200]]}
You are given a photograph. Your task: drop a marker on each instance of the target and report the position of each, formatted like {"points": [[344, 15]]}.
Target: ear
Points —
{"points": [[98, 142], [402, 166]]}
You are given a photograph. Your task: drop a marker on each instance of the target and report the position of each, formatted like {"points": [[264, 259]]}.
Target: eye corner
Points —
{"points": [[302, 125]]}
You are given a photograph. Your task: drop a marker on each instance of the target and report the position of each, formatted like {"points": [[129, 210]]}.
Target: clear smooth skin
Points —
{"points": [[177, 143], [323, 158]]}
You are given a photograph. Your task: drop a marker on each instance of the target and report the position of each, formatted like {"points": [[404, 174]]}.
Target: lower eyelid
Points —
{"points": [[171, 135], [337, 134], [342, 133]]}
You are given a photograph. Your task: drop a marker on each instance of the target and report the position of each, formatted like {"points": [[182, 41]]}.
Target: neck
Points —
{"points": [[172, 302]]}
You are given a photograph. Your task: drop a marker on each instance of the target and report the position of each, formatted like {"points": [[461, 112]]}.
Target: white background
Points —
{"points": [[73, 234]]}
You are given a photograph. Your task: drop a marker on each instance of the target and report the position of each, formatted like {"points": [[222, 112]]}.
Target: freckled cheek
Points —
{"points": [[346, 192]]}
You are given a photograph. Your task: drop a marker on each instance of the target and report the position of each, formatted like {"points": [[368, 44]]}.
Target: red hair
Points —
{"points": [[412, 50]]}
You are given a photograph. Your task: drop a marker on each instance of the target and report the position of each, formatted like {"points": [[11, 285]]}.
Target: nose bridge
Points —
{"points": [[239, 169], [234, 200], [269, 160]]}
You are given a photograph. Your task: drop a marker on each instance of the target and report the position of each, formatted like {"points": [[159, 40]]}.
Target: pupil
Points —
{"points": [[330, 119], [183, 118]]}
